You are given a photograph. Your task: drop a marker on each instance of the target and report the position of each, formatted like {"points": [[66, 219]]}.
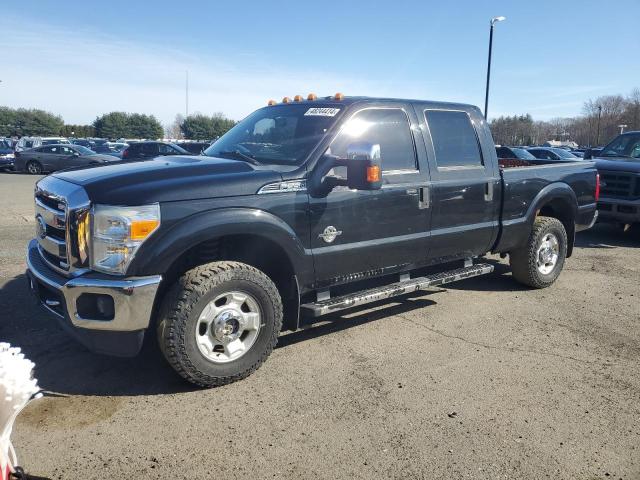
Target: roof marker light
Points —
{"points": [[297, 98], [271, 102], [311, 97], [286, 100], [338, 96]]}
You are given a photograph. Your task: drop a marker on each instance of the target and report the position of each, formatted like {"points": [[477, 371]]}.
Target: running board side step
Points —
{"points": [[323, 307]]}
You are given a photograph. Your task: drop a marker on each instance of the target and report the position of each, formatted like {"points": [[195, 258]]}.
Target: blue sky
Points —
{"points": [[80, 59]]}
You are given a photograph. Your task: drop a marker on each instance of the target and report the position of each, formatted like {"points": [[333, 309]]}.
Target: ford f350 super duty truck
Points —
{"points": [[304, 208]]}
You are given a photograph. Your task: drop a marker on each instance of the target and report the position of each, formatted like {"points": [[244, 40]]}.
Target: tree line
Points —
{"points": [[599, 122], [39, 123]]}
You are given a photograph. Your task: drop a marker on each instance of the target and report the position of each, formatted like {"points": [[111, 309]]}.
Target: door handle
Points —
{"points": [[488, 191], [424, 197]]}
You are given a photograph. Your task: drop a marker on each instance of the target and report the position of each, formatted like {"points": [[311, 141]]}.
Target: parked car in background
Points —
{"points": [[589, 153], [49, 158], [82, 141], [148, 150], [619, 166], [195, 148], [26, 143], [520, 153], [6, 155], [113, 149], [552, 153]]}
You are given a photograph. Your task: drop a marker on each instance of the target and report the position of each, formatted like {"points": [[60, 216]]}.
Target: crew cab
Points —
{"points": [[304, 208], [619, 167]]}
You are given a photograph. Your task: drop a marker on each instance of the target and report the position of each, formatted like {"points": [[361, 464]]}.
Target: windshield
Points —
{"points": [[522, 154], [623, 146], [562, 153], [282, 134], [84, 150]]}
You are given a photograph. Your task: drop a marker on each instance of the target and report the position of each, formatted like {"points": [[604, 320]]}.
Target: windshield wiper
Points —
{"points": [[237, 154]]}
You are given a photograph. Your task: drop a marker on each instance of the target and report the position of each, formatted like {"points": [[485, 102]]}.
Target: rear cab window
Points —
{"points": [[455, 141]]}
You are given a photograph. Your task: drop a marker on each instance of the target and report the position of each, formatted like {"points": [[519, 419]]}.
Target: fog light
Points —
{"points": [[94, 306]]}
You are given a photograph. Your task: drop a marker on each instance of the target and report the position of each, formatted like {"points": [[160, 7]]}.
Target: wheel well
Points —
{"points": [[259, 252], [563, 211]]}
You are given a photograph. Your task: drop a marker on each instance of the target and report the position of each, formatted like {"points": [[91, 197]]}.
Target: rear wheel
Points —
{"points": [[539, 263], [220, 322], [34, 168]]}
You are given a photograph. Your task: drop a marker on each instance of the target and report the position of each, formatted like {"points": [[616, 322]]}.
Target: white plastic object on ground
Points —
{"points": [[17, 388]]}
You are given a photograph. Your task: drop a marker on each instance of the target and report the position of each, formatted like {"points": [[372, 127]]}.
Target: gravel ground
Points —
{"points": [[485, 379]]}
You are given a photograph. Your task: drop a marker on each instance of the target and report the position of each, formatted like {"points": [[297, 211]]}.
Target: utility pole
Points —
{"points": [[186, 95], [622, 127], [494, 20], [598, 129]]}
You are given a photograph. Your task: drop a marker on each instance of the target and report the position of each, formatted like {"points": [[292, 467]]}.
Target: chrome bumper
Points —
{"points": [[129, 301]]}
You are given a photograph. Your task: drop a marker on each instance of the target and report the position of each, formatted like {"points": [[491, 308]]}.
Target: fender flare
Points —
{"points": [[160, 252]]}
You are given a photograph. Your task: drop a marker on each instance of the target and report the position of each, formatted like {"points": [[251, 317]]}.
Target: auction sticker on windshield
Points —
{"points": [[322, 112]]}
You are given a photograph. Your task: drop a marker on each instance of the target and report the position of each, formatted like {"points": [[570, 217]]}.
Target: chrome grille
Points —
{"points": [[58, 205], [51, 213]]}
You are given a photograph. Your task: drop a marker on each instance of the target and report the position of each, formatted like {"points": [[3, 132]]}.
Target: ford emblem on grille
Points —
{"points": [[41, 227]]}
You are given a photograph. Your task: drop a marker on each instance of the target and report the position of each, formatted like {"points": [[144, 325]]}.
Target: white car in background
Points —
{"points": [[25, 143]]}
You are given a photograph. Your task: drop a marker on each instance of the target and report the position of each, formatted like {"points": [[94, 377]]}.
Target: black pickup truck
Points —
{"points": [[619, 166], [304, 208]]}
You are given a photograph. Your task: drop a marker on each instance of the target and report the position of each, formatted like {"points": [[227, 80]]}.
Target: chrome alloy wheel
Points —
{"points": [[228, 327], [548, 253]]}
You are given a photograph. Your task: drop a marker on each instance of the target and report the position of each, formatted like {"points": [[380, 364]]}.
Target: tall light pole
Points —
{"points": [[186, 94], [598, 129], [622, 127], [494, 20]]}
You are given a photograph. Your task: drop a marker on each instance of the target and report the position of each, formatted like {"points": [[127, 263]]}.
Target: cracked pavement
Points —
{"points": [[484, 379]]}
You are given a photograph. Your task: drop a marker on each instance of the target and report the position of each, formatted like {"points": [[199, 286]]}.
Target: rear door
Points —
{"points": [[465, 184], [357, 234]]}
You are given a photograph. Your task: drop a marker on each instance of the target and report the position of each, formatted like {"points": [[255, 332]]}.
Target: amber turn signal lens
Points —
{"points": [[338, 96], [286, 100], [373, 174], [311, 97], [141, 229], [297, 98], [271, 102]]}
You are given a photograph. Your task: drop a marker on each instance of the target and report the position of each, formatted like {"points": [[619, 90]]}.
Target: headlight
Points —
{"points": [[118, 232]]}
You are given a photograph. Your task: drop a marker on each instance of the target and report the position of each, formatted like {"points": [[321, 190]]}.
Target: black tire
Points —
{"points": [[523, 261], [183, 305], [33, 167]]}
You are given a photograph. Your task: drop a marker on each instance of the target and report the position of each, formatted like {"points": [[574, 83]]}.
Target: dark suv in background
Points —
{"points": [[148, 150]]}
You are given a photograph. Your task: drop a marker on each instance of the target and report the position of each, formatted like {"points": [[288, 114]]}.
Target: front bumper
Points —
{"points": [[108, 315], [616, 210], [7, 163]]}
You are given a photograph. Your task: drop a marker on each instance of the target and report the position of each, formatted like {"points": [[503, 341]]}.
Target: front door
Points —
{"points": [[465, 188], [357, 234]]}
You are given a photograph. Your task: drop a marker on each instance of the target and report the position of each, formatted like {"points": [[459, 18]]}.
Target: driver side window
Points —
{"points": [[387, 127]]}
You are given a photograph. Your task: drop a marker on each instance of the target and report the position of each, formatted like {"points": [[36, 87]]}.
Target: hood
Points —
{"points": [[166, 179], [100, 157], [618, 164]]}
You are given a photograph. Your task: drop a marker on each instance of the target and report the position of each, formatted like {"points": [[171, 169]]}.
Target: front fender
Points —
{"points": [[162, 250]]}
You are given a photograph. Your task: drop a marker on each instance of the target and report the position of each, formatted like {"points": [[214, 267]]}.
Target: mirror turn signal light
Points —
{"points": [[338, 96], [373, 174], [311, 97], [271, 102]]}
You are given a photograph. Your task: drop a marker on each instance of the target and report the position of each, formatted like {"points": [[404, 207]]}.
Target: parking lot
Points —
{"points": [[484, 379]]}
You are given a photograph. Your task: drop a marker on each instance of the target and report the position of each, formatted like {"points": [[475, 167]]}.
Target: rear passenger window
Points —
{"points": [[388, 127], [454, 138]]}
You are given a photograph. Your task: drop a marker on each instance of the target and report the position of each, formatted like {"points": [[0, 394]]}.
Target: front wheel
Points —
{"points": [[220, 322], [34, 168], [539, 263]]}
